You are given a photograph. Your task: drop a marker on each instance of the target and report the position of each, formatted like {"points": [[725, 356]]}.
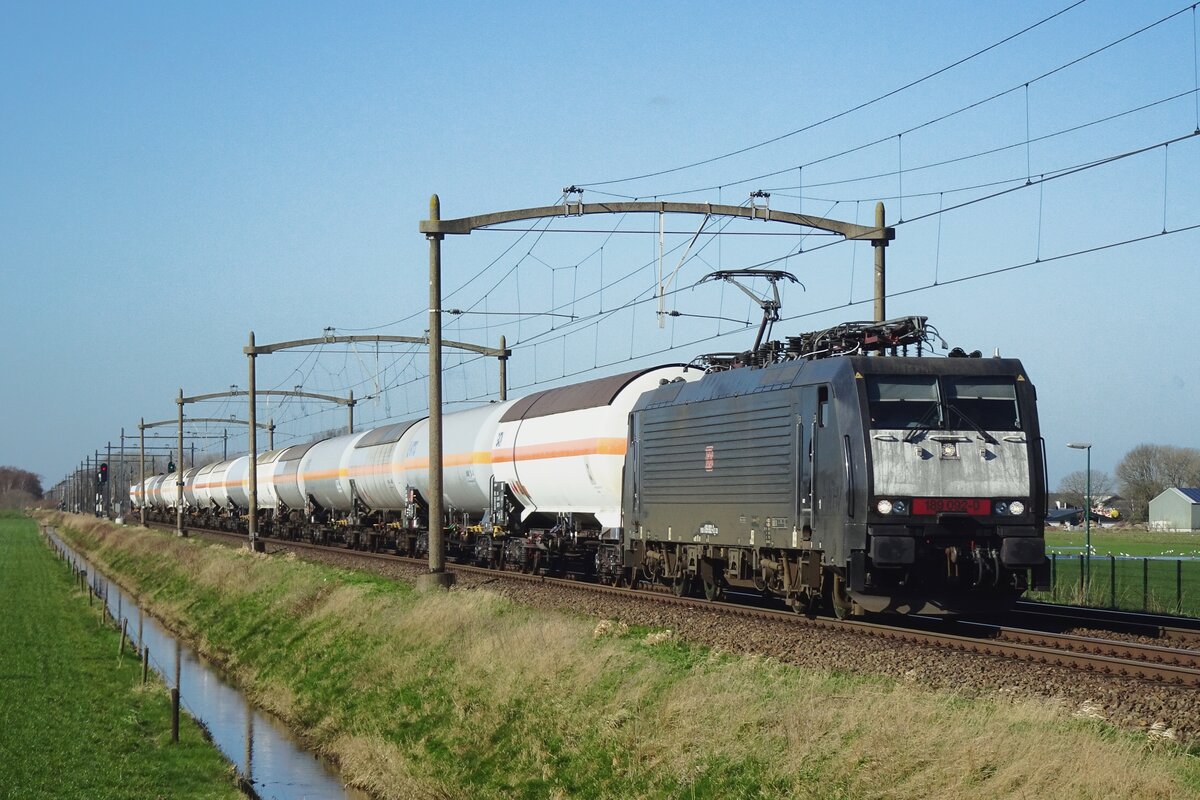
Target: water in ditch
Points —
{"points": [[262, 749]]}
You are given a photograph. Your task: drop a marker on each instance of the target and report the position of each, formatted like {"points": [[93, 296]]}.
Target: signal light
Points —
{"points": [[103, 474], [170, 466]]}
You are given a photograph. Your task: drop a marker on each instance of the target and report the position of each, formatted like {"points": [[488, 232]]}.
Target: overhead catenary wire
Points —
{"points": [[641, 298], [933, 121], [542, 338], [840, 114], [609, 233]]}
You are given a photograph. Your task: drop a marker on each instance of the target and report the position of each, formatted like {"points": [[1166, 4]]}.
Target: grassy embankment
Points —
{"points": [[75, 722], [465, 694]]}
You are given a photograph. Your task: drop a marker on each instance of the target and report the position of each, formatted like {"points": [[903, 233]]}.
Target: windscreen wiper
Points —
{"points": [[975, 426], [922, 424]]}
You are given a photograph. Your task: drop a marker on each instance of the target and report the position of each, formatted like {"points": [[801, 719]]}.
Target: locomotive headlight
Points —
{"points": [[1016, 508], [892, 507], [1001, 508]]}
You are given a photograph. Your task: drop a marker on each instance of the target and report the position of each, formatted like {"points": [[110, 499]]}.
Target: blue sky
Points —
{"points": [[176, 175]]}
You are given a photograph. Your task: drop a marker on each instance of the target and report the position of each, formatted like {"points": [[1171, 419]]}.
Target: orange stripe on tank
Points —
{"points": [[578, 447], [535, 452]]}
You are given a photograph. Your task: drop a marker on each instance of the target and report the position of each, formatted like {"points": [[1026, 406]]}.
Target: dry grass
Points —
{"points": [[463, 693], [380, 768]]}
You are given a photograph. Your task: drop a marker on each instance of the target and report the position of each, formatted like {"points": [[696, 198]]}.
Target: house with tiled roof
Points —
{"points": [[1176, 510]]}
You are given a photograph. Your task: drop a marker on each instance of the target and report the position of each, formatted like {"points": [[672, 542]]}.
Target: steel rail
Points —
{"points": [[1160, 626]]}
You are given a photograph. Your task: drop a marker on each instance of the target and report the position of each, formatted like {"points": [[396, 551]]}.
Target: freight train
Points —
{"points": [[834, 469]]}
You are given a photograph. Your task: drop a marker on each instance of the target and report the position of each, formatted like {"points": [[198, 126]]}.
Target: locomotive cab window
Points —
{"points": [[987, 403], [899, 402]]}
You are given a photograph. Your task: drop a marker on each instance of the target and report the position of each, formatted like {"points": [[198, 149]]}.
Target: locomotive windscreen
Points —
{"points": [[900, 402], [904, 401], [990, 403]]}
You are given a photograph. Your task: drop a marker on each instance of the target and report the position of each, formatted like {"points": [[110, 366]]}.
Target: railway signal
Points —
{"points": [[102, 475]]}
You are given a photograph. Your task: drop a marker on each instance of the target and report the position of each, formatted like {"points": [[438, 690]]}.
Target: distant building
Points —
{"points": [[1176, 510]]}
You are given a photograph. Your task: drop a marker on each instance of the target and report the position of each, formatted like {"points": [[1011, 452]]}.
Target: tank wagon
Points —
{"points": [[831, 470]]}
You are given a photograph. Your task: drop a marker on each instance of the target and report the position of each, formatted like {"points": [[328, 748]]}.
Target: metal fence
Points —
{"points": [[1154, 584]]}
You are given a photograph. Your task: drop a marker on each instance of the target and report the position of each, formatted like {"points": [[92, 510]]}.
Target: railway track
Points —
{"points": [[1170, 666], [1181, 630]]}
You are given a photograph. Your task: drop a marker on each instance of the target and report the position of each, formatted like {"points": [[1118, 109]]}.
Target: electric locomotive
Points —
{"points": [[861, 482]]}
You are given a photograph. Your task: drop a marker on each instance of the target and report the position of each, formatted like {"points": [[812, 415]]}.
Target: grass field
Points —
{"points": [[75, 723], [465, 694], [1150, 570], [1126, 542]]}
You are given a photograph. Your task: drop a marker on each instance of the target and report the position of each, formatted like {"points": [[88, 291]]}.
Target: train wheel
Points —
{"points": [[681, 586], [837, 598], [713, 590], [801, 604]]}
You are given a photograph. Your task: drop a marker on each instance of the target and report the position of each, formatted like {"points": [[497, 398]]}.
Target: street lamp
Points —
{"points": [[1087, 510]]}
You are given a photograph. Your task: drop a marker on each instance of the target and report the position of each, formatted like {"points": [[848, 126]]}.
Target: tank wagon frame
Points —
{"points": [[831, 470]]}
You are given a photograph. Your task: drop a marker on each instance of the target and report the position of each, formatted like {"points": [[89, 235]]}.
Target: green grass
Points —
{"points": [[1168, 586], [466, 694], [1126, 542], [74, 721]]}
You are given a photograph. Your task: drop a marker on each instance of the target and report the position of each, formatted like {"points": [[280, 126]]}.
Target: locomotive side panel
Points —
{"points": [[718, 472]]}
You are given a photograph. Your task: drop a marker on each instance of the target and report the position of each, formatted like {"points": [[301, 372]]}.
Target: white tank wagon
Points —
{"points": [[169, 490], [154, 491], [189, 487], [285, 480], [268, 467], [562, 451], [137, 494], [373, 461], [323, 474], [467, 438], [202, 485]]}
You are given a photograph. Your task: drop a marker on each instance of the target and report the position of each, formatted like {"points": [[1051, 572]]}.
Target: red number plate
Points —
{"points": [[955, 505]]}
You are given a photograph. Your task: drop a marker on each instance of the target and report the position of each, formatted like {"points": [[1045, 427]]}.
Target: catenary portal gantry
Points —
{"points": [[435, 229]]}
